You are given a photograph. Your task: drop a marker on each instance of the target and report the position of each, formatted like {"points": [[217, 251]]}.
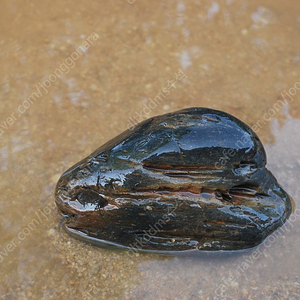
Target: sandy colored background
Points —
{"points": [[56, 107]]}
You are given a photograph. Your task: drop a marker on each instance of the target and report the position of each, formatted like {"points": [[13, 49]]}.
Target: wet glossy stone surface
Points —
{"points": [[193, 179]]}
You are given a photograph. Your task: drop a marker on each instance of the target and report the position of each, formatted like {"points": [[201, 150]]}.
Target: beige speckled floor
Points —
{"points": [[75, 74]]}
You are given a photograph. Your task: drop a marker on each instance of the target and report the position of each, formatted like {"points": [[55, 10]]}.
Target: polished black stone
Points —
{"points": [[192, 179]]}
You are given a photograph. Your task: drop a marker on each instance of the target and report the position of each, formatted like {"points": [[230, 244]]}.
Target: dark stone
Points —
{"points": [[193, 179]]}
